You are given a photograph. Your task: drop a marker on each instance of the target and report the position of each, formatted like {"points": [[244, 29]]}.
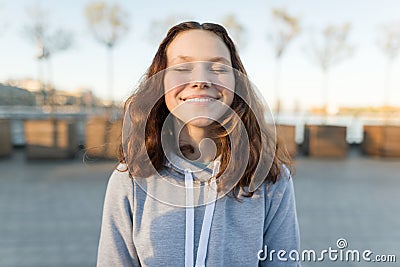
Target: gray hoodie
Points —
{"points": [[139, 229]]}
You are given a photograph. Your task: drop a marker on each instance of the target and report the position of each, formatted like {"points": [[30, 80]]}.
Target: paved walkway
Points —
{"points": [[356, 199], [50, 211]]}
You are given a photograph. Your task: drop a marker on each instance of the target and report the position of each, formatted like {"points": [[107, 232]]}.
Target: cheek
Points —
{"points": [[170, 92], [228, 91], [230, 97], [228, 83], [170, 99], [173, 80]]}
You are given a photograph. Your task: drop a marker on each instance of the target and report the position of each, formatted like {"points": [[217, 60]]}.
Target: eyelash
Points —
{"points": [[217, 70], [182, 69]]}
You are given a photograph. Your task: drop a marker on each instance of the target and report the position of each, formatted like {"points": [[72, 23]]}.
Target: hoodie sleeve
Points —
{"points": [[281, 229], [116, 247]]}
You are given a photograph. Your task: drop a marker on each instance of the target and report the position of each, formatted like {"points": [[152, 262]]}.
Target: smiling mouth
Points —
{"points": [[200, 99]]}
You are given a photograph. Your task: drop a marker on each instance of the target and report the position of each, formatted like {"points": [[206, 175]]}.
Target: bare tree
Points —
{"points": [[389, 42], [48, 42], [108, 24], [285, 28], [332, 49], [236, 30]]}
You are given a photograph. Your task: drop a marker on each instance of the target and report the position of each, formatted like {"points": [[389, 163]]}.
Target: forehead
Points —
{"points": [[197, 45]]}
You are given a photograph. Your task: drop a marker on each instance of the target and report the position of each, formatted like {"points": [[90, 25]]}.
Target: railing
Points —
{"points": [[354, 124], [18, 114]]}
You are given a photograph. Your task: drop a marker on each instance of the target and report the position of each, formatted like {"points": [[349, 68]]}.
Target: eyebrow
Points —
{"points": [[213, 59]]}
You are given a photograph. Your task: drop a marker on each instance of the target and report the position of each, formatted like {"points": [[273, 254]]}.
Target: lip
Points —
{"points": [[198, 96]]}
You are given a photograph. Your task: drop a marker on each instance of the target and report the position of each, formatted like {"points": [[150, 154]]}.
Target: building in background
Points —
{"points": [[30, 92], [16, 96]]}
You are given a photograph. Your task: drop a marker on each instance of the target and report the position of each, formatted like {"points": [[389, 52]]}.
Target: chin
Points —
{"points": [[200, 122]]}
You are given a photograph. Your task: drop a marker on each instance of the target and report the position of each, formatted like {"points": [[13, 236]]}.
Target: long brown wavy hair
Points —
{"points": [[143, 152]]}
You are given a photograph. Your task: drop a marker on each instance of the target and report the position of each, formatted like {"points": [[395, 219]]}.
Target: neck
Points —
{"points": [[196, 144]]}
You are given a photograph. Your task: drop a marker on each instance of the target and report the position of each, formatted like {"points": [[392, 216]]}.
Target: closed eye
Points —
{"points": [[219, 70], [180, 69]]}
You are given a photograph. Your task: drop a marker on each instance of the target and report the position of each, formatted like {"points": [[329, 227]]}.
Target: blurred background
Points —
{"points": [[329, 71]]}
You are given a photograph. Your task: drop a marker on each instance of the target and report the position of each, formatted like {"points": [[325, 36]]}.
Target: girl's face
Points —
{"points": [[199, 81]]}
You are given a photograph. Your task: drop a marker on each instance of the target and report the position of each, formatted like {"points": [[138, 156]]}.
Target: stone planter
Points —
{"points": [[103, 138], [50, 139], [287, 134], [5, 138], [325, 141], [381, 141]]}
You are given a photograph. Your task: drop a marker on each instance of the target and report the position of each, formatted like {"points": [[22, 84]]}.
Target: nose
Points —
{"points": [[201, 84], [200, 79]]}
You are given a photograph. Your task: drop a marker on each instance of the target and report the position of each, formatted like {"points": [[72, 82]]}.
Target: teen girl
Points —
{"points": [[202, 180]]}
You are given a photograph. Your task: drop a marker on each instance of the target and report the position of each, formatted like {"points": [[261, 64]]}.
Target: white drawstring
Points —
{"points": [[208, 216], [207, 220], [189, 234]]}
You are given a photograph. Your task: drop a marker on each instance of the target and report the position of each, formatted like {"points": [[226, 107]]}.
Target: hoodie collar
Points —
{"points": [[199, 171]]}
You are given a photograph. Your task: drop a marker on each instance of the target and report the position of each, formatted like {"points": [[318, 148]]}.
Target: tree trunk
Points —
{"points": [[110, 70]]}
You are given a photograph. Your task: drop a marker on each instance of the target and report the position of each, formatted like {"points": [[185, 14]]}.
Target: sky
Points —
{"points": [[359, 80]]}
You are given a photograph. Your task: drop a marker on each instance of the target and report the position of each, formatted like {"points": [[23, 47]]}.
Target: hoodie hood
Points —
{"points": [[200, 172]]}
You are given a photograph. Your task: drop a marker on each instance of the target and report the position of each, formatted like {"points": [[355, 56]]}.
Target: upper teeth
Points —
{"points": [[203, 99]]}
